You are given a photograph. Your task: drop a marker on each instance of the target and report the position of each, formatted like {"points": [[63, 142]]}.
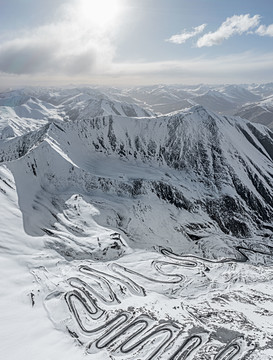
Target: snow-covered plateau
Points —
{"points": [[126, 234]]}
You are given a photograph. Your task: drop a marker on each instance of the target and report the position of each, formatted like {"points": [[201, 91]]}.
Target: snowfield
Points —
{"points": [[126, 235]]}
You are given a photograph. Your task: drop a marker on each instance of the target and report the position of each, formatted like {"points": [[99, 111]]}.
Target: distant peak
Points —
{"points": [[198, 109]]}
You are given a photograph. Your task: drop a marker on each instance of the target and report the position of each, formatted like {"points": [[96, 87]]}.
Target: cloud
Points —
{"points": [[235, 68], [184, 36], [230, 69], [69, 46], [235, 25], [265, 30]]}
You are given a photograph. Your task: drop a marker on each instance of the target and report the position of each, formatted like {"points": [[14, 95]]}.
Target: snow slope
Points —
{"points": [[136, 237], [20, 114], [259, 112], [28, 109], [224, 99]]}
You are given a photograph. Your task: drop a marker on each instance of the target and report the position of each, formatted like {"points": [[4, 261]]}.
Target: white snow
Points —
{"points": [[99, 223]]}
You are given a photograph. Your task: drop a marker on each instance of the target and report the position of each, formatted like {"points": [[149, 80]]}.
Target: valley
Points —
{"points": [[129, 234]]}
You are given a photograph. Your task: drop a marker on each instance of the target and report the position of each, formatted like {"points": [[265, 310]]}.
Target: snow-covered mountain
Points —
{"points": [[259, 112], [239, 94], [161, 99], [263, 90], [197, 161], [146, 237], [223, 99], [20, 112], [28, 109], [216, 101]]}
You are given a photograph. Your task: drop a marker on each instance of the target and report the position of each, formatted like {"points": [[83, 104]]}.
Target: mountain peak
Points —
{"points": [[120, 218]]}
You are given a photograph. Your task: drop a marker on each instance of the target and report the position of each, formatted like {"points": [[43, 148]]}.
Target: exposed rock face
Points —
{"points": [[194, 166], [145, 235]]}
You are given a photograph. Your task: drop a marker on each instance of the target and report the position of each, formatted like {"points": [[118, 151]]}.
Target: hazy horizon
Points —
{"points": [[133, 43]]}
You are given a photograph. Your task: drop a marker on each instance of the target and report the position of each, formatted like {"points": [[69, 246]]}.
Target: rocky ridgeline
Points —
{"points": [[202, 163]]}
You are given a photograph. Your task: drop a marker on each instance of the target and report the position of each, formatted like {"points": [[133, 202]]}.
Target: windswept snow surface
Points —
{"points": [[132, 237]]}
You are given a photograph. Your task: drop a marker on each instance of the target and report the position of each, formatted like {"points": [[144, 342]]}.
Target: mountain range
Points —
{"points": [[137, 223]]}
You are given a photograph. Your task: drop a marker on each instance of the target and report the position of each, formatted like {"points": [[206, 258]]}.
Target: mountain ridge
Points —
{"points": [[197, 144], [155, 230]]}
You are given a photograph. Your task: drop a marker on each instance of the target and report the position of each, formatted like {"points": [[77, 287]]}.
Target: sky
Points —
{"points": [[135, 42]]}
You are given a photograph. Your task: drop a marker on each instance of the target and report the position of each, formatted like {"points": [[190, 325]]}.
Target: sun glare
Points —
{"points": [[103, 13]]}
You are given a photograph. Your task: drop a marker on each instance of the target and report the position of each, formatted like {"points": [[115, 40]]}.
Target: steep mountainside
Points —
{"points": [[201, 170], [216, 101], [224, 99], [28, 109], [127, 237], [259, 112]]}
